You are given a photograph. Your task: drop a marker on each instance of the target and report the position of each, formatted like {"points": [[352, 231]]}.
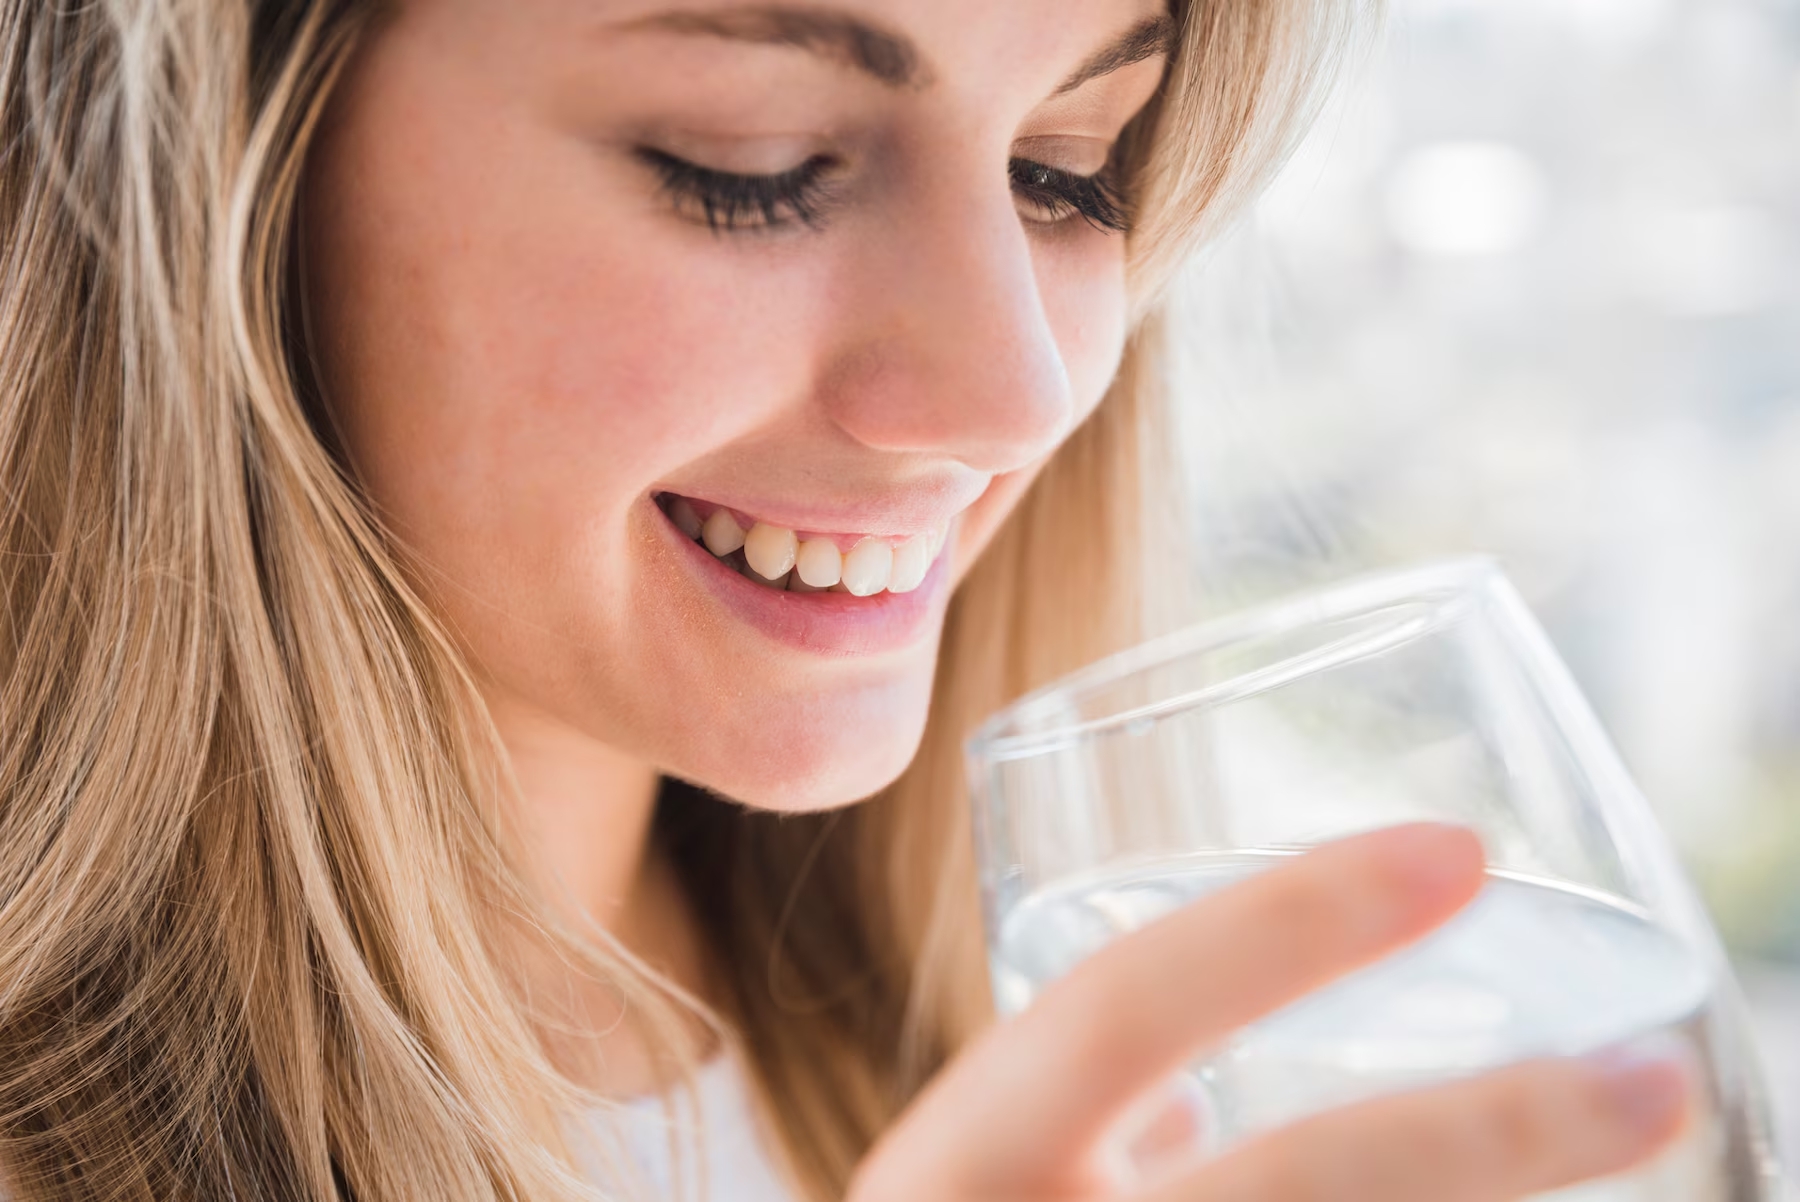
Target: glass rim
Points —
{"points": [[1433, 579]]}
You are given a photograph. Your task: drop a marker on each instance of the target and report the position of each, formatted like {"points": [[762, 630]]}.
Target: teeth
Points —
{"points": [[774, 557], [778, 583], [912, 559], [684, 517], [770, 550], [868, 566], [818, 565], [722, 533]]}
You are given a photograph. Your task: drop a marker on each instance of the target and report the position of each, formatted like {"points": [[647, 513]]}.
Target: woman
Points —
{"points": [[450, 446]]}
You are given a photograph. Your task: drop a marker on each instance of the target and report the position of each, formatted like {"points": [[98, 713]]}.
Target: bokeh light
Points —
{"points": [[1532, 287]]}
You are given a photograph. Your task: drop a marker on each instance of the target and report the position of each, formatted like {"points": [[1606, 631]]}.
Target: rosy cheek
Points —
{"points": [[627, 370], [510, 370], [623, 359]]}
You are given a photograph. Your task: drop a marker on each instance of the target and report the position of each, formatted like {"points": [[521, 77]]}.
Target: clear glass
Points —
{"points": [[1168, 771]]}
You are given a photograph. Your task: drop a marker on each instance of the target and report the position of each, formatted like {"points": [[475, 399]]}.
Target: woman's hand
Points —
{"points": [[1022, 1115]]}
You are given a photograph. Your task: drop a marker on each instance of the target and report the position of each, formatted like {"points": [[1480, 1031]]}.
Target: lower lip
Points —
{"points": [[826, 623]]}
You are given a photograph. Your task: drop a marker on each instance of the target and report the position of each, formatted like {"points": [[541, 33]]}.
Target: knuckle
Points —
{"points": [[1095, 992], [1094, 1016], [1520, 1126], [1097, 1029]]}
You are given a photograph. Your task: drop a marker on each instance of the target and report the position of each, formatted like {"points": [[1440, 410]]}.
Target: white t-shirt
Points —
{"points": [[737, 1166]]}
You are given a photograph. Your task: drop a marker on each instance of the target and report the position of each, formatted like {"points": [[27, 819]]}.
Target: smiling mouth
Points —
{"points": [[779, 558]]}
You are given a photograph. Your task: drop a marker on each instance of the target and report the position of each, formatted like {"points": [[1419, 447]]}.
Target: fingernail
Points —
{"points": [[1647, 1091]]}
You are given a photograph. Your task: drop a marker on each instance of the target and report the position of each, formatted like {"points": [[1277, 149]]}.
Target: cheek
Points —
{"points": [[517, 355], [513, 359]]}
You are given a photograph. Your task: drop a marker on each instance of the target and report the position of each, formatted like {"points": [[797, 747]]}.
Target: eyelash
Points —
{"points": [[1063, 194], [728, 201]]}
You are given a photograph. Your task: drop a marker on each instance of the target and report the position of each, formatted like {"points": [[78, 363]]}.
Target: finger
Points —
{"points": [[1041, 1089], [1518, 1132]]}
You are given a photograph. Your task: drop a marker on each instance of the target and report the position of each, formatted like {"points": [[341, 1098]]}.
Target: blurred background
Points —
{"points": [[1532, 288]]}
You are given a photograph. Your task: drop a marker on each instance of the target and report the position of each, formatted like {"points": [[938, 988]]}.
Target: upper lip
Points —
{"points": [[896, 515]]}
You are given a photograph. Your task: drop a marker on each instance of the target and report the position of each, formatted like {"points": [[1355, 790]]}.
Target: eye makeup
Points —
{"points": [[727, 201], [1060, 194]]}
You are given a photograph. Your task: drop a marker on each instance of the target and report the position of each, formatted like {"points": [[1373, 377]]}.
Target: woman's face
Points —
{"points": [[584, 274]]}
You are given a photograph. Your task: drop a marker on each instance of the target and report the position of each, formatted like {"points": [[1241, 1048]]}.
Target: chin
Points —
{"points": [[822, 757]]}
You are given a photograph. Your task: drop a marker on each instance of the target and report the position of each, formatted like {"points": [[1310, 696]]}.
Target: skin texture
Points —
{"points": [[524, 338]]}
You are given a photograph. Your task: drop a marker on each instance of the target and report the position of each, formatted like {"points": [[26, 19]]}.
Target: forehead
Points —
{"points": [[914, 44]]}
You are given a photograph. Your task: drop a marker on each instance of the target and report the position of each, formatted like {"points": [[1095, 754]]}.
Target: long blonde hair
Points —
{"points": [[257, 884]]}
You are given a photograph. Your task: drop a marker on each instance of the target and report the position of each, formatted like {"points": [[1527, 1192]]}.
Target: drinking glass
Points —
{"points": [[1171, 770]]}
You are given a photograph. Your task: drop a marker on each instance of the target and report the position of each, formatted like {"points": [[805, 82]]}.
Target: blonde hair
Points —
{"points": [[257, 885]]}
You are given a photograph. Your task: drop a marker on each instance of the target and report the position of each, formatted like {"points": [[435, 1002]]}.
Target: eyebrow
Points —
{"points": [[1145, 40], [887, 56]]}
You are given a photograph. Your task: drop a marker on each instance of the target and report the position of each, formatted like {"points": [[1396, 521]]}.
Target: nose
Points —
{"points": [[946, 348]]}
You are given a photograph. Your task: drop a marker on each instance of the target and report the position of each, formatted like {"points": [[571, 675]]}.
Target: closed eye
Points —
{"points": [[728, 201], [1059, 195]]}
